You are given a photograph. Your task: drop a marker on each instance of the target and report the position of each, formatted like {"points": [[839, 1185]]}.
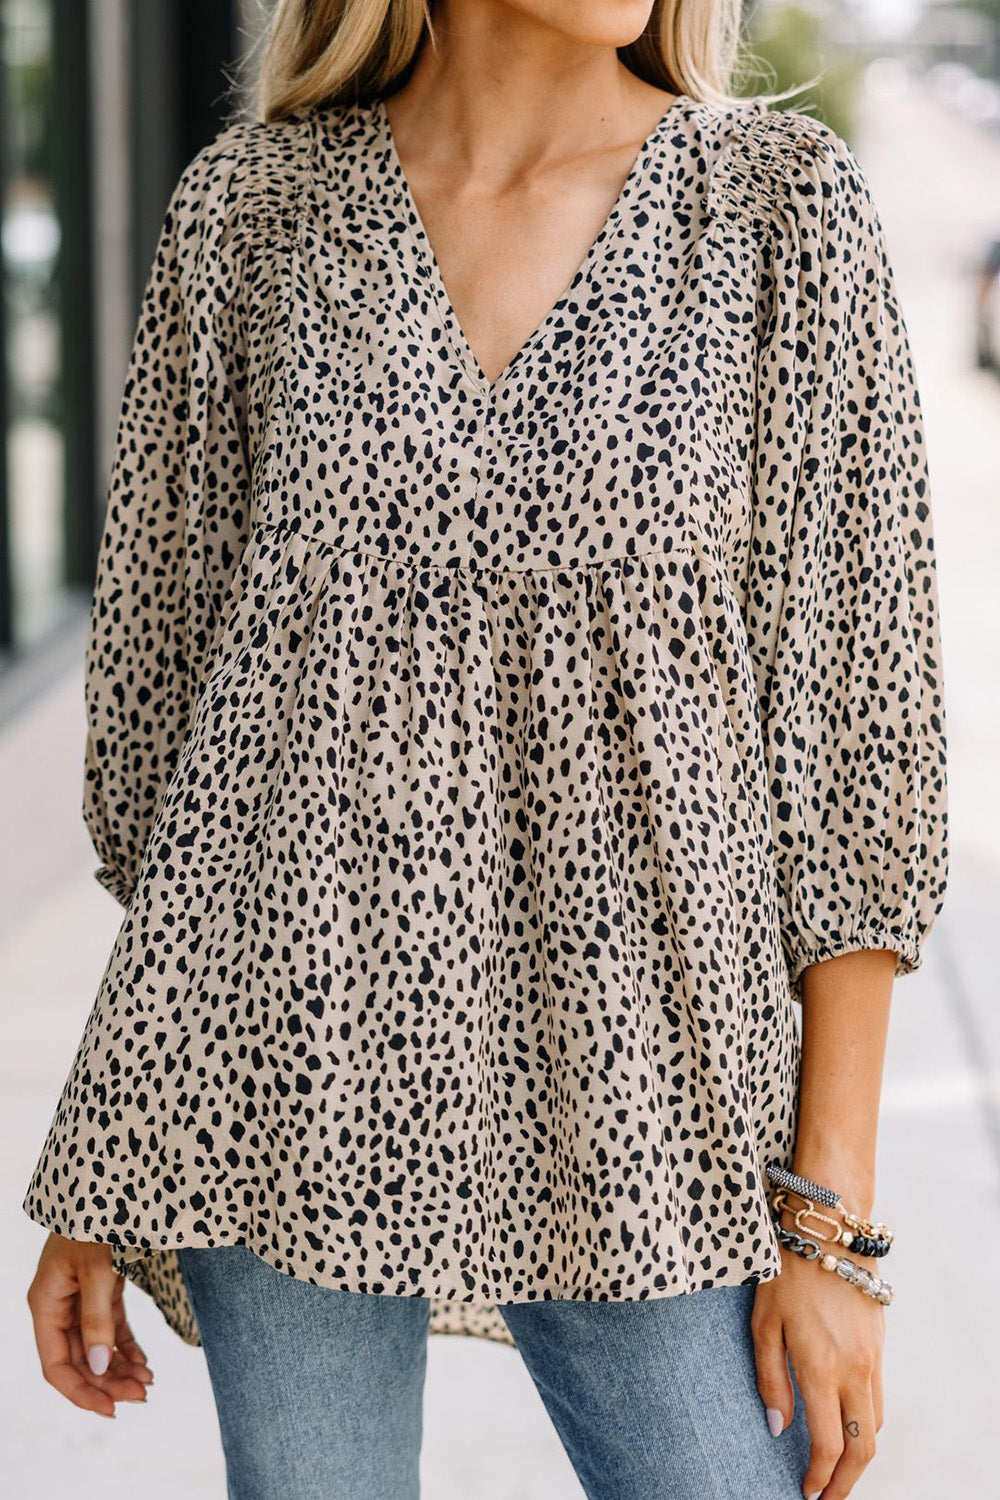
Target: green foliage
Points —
{"points": [[988, 63], [988, 7], [788, 45]]}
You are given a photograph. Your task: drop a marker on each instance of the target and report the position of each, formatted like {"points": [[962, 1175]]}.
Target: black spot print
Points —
{"points": [[479, 764]]}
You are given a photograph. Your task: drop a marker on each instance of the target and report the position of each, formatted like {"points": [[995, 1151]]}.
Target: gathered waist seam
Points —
{"points": [[288, 526]]}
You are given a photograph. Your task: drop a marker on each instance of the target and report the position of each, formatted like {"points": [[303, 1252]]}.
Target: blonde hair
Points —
{"points": [[351, 50]]}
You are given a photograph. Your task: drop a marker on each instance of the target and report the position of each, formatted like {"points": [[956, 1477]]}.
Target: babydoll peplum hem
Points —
{"points": [[392, 1111]]}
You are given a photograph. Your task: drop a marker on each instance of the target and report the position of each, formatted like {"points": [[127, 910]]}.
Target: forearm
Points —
{"points": [[845, 1018]]}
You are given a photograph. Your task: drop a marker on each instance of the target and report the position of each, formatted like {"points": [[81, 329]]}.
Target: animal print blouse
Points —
{"points": [[480, 763]]}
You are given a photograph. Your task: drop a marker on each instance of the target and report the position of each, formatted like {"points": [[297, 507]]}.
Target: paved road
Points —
{"points": [[487, 1436]]}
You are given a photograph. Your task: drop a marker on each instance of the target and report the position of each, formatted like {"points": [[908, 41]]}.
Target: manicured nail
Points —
{"points": [[775, 1421], [815, 1495], [98, 1358]]}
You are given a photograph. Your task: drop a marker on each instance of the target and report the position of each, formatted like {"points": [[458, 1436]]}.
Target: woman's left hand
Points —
{"points": [[834, 1336]]}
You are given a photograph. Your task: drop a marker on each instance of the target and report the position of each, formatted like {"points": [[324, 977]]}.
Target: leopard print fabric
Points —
{"points": [[480, 763]]}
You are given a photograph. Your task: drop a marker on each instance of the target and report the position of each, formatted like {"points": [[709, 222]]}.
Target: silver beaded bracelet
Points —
{"points": [[860, 1276], [781, 1177]]}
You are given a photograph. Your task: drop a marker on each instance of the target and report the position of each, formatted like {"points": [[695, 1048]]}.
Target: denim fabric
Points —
{"points": [[320, 1392]]}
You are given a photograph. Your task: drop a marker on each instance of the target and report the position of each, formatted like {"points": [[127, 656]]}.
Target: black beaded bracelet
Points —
{"points": [[866, 1244]]}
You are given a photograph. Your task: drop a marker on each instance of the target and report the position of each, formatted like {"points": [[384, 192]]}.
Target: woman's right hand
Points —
{"points": [[77, 1305]]}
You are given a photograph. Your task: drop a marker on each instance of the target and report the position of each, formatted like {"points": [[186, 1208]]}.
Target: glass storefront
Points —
{"points": [[102, 102], [31, 237]]}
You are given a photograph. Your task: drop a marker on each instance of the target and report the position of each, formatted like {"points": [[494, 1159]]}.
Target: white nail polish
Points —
{"points": [[815, 1495], [775, 1421], [98, 1358]]}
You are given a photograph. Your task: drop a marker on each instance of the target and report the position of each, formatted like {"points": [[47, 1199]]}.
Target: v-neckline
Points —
{"points": [[428, 261]]}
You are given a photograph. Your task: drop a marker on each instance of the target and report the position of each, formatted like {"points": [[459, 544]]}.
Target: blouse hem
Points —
{"points": [[129, 1259]]}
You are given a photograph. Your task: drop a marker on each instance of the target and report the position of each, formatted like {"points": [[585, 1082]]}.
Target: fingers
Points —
{"points": [[121, 1367], [78, 1316], [127, 1345], [54, 1314], [842, 1428], [818, 1384], [878, 1401], [121, 1381], [98, 1285], [857, 1418], [773, 1380]]}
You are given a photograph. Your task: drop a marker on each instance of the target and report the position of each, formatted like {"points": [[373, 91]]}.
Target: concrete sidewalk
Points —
{"points": [[487, 1434]]}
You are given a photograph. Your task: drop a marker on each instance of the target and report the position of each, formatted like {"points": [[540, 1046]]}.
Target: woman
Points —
{"points": [[513, 685]]}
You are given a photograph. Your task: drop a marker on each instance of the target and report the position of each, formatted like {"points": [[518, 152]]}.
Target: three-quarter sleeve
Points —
{"points": [[176, 517], [841, 600]]}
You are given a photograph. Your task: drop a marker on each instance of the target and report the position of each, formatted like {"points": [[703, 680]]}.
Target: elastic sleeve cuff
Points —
{"points": [[112, 880], [902, 940]]}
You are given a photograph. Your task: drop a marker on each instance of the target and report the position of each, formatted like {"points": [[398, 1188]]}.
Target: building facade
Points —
{"points": [[102, 103]]}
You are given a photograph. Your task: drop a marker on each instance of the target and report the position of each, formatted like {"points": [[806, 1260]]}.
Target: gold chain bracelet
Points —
{"points": [[859, 1235]]}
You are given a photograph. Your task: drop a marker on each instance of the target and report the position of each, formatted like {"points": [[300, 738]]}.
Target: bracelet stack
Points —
{"points": [[858, 1234]]}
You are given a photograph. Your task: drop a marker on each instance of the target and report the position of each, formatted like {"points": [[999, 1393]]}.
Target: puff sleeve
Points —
{"points": [[841, 601], [176, 517]]}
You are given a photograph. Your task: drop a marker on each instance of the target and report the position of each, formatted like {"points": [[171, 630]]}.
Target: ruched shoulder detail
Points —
{"points": [[262, 167], [768, 148]]}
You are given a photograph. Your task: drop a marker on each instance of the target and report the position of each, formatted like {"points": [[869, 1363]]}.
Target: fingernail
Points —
{"points": [[815, 1495], [775, 1421], [146, 1376], [98, 1358]]}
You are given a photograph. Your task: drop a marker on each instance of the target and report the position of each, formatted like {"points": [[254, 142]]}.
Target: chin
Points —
{"points": [[602, 23]]}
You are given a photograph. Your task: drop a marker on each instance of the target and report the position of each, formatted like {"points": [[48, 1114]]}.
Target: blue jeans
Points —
{"points": [[320, 1392]]}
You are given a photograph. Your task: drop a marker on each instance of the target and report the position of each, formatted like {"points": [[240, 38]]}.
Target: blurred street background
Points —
{"points": [[101, 104]]}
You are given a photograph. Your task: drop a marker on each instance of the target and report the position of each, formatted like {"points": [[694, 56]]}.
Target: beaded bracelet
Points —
{"points": [[861, 1244], [866, 1281], [804, 1188], [782, 1177]]}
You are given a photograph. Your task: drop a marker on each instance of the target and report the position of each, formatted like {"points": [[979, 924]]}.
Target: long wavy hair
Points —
{"points": [[341, 51]]}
